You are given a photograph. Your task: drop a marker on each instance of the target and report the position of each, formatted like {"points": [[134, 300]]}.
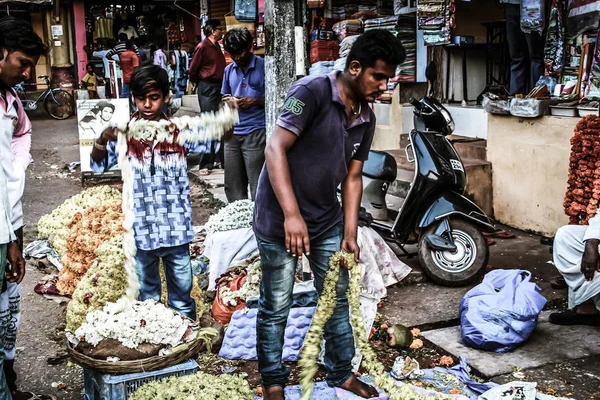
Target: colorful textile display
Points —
{"points": [[350, 27], [402, 26], [554, 52], [323, 50], [435, 18]]}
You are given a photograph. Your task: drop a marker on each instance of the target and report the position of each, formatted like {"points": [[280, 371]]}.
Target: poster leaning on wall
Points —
{"points": [[93, 116]]}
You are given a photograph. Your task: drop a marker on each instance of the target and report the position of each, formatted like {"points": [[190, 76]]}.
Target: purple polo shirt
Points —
{"points": [[248, 84], [319, 158]]}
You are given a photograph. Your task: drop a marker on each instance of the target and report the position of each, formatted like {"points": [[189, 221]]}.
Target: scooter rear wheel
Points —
{"points": [[462, 267]]}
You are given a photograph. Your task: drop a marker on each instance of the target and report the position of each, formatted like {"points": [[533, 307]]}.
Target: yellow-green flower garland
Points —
{"points": [[325, 307]]}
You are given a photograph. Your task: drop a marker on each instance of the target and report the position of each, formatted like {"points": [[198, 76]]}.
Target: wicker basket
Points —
{"points": [[142, 365]]}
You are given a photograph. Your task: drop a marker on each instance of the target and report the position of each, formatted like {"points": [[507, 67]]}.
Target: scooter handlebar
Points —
{"points": [[415, 103]]}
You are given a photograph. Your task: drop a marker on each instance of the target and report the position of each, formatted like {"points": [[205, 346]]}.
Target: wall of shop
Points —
{"points": [[530, 162]]}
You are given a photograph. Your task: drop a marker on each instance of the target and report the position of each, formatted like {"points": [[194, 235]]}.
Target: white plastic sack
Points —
{"points": [[511, 391]]}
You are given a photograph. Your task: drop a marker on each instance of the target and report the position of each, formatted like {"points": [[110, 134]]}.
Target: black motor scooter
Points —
{"points": [[435, 214]]}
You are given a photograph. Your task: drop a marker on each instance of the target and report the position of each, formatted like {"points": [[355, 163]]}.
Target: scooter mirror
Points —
{"points": [[431, 72]]}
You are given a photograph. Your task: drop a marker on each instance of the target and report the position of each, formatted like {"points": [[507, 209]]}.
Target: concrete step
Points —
{"points": [[467, 148], [479, 180]]}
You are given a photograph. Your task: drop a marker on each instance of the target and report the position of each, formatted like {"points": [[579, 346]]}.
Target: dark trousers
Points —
{"points": [[9, 365], [244, 159], [209, 98], [526, 53]]}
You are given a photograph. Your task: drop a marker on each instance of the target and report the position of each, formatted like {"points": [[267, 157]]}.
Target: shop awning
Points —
{"points": [[26, 1]]}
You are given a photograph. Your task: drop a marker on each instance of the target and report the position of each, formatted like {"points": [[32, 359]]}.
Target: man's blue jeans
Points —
{"points": [[178, 271], [278, 269]]}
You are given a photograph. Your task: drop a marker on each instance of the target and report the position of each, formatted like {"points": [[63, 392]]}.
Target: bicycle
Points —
{"points": [[59, 103]]}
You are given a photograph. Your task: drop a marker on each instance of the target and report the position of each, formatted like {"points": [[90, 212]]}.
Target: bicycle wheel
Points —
{"points": [[61, 105]]}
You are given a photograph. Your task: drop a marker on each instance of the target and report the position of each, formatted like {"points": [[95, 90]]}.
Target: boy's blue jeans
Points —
{"points": [[278, 269], [178, 271], [125, 92]]}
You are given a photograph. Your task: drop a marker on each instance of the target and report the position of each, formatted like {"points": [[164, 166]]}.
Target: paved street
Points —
{"points": [[573, 371]]}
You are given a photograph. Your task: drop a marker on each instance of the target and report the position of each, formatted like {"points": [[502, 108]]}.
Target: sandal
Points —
{"points": [[490, 242], [571, 317], [204, 171], [500, 234], [558, 283]]}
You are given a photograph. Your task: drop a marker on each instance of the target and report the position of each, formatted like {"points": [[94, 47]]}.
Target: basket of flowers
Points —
{"points": [[141, 336]]}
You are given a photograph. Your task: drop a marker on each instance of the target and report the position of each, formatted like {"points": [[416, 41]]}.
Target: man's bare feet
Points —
{"points": [[273, 393], [359, 388]]}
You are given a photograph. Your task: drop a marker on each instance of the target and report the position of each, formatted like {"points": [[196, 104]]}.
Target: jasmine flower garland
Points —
{"points": [[235, 215], [198, 386], [325, 307]]}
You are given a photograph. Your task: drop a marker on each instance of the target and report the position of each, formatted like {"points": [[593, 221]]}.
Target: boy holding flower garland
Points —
{"points": [[161, 192], [321, 140]]}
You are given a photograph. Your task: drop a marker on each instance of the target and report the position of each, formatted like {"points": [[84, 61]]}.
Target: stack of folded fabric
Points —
{"points": [[403, 27], [349, 27], [435, 18], [324, 50]]}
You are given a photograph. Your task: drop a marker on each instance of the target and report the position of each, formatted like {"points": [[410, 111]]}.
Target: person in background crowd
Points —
{"points": [[21, 51], [577, 258], [244, 79], [526, 51], [90, 81], [128, 30], [206, 71], [163, 223], [105, 61], [180, 62], [121, 47], [321, 139], [129, 62], [159, 57], [197, 40]]}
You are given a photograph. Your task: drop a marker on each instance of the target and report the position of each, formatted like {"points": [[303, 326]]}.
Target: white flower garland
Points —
{"points": [[250, 288], [325, 307], [144, 322], [206, 127], [235, 215]]}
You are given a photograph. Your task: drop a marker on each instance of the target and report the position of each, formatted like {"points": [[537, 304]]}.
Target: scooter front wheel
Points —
{"points": [[461, 267]]}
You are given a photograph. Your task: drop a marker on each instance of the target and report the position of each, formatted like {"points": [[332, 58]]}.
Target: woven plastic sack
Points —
{"points": [[500, 313]]}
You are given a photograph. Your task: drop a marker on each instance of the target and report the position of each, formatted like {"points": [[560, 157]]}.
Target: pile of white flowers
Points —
{"points": [[58, 220], [250, 288], [144, 322], [235, 215]]}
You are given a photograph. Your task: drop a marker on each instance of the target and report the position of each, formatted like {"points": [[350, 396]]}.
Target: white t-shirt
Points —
{"points": [[130, 31]]}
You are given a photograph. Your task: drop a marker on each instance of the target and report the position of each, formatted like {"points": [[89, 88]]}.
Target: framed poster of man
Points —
{"points": [[93, 117]]}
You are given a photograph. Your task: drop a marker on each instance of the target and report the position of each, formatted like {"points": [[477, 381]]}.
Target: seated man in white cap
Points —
{"points": [[577, 258]]}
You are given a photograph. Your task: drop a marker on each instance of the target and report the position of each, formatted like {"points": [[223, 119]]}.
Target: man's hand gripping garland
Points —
{"points": [[325, 307]]}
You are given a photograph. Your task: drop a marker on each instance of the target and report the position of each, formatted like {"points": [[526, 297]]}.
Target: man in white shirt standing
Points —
{"points": [[21, 51], [129, 31]]}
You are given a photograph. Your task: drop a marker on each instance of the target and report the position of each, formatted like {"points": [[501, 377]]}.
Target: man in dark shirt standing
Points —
{"points": [[206, 71], [322, 137]]}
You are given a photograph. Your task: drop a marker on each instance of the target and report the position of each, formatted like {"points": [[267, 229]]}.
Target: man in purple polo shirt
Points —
{"points": [[321, 140], [244, 79]]}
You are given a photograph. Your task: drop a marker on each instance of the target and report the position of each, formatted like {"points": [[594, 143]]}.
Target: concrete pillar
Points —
{"points": [[280, 60]]}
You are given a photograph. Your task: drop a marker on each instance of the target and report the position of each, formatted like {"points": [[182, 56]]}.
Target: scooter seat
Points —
{"points": [[380, 165]]}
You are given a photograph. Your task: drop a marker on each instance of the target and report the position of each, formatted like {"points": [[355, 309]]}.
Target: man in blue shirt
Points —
{"points": [[244, 80]]}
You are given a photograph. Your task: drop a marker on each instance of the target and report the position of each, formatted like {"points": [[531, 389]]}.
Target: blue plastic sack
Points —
{"points": [[246, 10], [501, 312]]}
